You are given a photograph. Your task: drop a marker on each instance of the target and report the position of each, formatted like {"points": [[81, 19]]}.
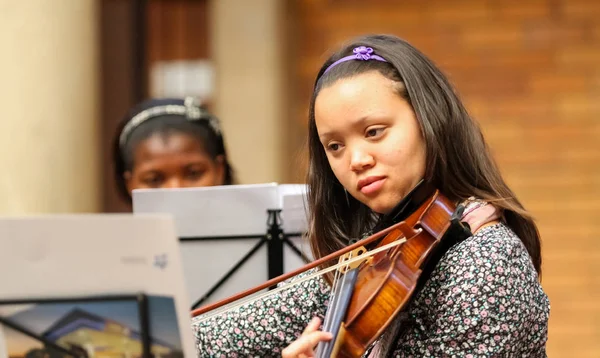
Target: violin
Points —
{"points": [[376, 277]]}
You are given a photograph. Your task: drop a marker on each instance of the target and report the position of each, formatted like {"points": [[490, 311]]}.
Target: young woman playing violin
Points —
{"points": [[384, 124]]}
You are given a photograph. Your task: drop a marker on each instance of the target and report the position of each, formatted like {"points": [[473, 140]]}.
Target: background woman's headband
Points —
{"points": [[361, 53], [190, 109]]}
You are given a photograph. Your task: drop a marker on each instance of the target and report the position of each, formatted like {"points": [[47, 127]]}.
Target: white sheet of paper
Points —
{"points": [[294, 207], [96, 254], [229, 210]]}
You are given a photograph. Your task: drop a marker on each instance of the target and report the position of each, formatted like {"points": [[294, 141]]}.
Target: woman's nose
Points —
{"points": [[361, 160], [173, 182]]}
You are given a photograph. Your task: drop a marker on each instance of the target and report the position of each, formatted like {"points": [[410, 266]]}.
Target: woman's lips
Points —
{"points": [[371, 184]]}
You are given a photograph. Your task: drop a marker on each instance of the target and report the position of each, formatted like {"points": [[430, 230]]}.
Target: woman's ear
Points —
{"points": [[220, 166], [128, 182]]}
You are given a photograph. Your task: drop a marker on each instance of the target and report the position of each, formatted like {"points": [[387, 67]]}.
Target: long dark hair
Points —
{"points": [[166, 124], [458, 162]]}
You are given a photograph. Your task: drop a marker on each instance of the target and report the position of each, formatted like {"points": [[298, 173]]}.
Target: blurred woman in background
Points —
{"points": [[170, 143]]}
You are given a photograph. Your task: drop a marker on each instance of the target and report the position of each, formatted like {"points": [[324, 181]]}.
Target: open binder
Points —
{"points": [[92, 285], [233, 237]]}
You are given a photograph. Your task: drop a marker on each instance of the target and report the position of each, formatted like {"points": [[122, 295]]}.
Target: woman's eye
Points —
{"points": [[194, 174], [334, 147], [153, 181], [374, 132]]}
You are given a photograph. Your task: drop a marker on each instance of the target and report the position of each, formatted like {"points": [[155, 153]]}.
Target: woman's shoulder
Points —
{"points": [[492, 237], [496, 238], [494, 260], [491, 267], [484, 290], [495, 245]]}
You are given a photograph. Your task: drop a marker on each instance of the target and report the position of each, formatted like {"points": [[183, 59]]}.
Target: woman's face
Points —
{"points": [[174, 160], [372, 139]]}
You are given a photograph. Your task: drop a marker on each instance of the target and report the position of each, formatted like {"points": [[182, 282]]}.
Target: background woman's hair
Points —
{"points": [[165, 125], [458, 162]]}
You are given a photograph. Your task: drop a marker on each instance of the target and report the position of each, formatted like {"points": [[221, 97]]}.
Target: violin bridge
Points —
{"points": [[352, 255]]}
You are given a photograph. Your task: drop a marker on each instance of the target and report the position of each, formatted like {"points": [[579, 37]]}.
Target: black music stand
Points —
{"points": [[274, 238], [232, 213]]}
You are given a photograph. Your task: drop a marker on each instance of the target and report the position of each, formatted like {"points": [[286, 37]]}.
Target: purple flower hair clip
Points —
{"points": [[361, 53]]}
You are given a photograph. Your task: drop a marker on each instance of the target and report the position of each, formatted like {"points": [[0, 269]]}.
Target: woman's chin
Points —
{"points": [[384, 205], [380, 208]]}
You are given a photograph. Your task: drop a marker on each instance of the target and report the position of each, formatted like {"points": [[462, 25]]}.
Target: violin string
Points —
{"points": [[334, 303], [338, 275], [328, 324], [251, 299]]}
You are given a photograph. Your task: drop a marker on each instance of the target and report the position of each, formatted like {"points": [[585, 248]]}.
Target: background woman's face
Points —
{"points": [[174, 160]]}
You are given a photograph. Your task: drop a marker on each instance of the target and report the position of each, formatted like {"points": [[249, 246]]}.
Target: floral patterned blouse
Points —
{"points": [[483, 299]]}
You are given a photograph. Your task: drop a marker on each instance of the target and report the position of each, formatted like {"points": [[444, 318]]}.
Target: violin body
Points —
{"points": [[387, 280]]}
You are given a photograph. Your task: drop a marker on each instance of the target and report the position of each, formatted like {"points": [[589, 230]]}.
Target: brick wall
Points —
{"points": [[530, 73]]}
